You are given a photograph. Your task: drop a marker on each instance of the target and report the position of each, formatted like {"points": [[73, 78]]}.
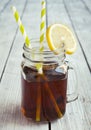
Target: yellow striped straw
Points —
{"points": [[43, 24], [21, 27]]}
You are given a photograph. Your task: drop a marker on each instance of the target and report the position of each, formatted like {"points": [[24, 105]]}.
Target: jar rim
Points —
{"points": [[46, 50], [46, 56]]}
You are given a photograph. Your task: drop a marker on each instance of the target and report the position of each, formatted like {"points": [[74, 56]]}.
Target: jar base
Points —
{"points": [[45, 120]]}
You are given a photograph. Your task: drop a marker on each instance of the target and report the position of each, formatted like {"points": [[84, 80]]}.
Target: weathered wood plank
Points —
{"points": [[81, 25], [87, 4], [7, 32], [31, 21], [10, 102], [3, 5]]}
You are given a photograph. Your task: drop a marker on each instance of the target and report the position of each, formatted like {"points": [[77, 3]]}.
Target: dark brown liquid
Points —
{"points": [[43, 96]]}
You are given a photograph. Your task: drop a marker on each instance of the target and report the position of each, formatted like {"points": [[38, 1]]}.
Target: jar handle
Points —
{"points": [[72, 88]]}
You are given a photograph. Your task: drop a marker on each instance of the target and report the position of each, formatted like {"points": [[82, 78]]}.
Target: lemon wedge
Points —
{"points": [[59, 34]]}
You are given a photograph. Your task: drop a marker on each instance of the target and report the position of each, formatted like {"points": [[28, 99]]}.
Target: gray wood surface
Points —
{"points": [[77, 15]]}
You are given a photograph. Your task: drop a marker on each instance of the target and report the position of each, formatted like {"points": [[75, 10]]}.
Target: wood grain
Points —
{"points": [[81, 25], [8, 32], [75, 14]]}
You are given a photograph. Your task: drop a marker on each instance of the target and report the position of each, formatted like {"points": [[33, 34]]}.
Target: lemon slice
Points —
{"points": [[59, 34]]}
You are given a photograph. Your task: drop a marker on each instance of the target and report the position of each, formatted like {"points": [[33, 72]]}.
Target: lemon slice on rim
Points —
{"points": [[59, 34]]}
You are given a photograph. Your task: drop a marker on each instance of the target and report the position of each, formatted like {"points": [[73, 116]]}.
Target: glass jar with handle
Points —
{"points": [[44, 96]]}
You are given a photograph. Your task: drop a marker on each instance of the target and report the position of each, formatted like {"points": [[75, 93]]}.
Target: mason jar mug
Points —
{"points": [[44, 95]]}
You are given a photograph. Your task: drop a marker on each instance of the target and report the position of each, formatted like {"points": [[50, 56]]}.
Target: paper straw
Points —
{"points": [[21, 27], [43, 24], [38, 101], [39, 68]]}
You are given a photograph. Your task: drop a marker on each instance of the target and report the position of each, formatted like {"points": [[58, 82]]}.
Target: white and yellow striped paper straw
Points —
{"points": [[43, 24], [21, 27]]}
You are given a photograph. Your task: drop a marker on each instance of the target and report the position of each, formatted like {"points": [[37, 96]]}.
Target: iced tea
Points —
{"points": [[43, 96]]}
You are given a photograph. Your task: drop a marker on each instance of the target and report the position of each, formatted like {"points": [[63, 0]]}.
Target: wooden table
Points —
{"points": [[74, 13]]}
